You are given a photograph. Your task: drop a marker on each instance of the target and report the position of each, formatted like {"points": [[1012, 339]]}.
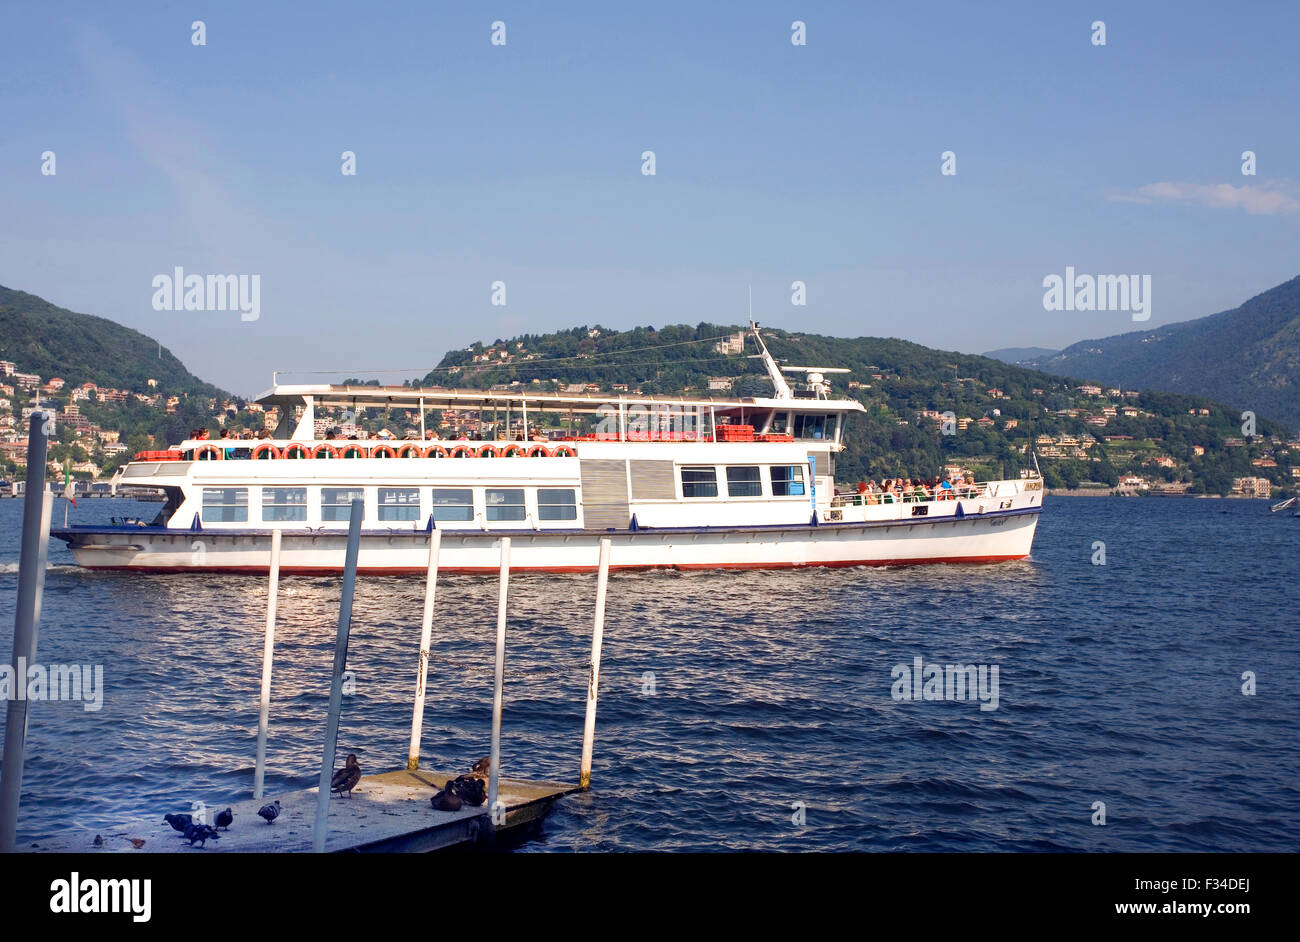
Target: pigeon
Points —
{"points": [[199, 833], [270, 812], [224, 818], [99, 840], [136, 842], [446, 800], [178, 821], [346, 778], [469, 790]]}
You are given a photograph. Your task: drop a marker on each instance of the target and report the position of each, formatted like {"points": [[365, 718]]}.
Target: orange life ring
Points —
{"points": [[540, 451], [435, 451], [513, 451], [410, 450], [266, 450], [294, 450], [330, 451], [351, 450], [565, 451], [383, 451], [212, 451], [460, 451], [487, 451]]}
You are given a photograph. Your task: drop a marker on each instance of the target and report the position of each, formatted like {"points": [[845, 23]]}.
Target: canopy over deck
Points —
{"points": [[436, 397]]}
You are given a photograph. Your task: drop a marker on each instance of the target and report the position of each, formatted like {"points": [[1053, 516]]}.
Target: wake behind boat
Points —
{"points": [[738, 483]]}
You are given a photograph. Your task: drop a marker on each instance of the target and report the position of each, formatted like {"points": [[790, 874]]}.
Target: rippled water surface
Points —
{"points": [[1118, 683]]}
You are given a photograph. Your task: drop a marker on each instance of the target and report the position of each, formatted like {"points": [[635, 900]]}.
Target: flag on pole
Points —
{"points": [[67, 481]]}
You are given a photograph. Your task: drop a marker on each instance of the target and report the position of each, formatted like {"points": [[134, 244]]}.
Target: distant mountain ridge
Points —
{"points": [[1248, 357], [42, 338], [1018, 356]]}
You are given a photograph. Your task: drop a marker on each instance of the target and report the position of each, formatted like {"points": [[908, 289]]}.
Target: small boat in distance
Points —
{"points": [[1285, 505], [687, 483]]}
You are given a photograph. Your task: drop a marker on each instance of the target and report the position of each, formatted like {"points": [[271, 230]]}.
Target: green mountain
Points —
{"points": [[1248, 357], [52, 341], [43, 339]]}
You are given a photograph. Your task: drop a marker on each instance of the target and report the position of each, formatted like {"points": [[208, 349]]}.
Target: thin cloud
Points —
{"points": [[1257, 199]]}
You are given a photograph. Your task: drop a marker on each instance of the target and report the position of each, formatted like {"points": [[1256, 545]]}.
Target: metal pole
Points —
{"points": [[593, 679], [268, 651], [426, 631], [494, 774], [336, 679], [38, 504]]}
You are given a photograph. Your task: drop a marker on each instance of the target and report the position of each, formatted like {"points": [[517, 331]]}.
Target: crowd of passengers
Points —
{"points": [[336, 434], [915, 490]]}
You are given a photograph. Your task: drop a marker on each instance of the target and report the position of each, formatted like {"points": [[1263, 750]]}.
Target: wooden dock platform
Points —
{"points": [[388, 813]]}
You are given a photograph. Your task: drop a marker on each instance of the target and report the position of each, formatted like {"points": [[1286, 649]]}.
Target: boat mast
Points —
{"points": [[773, 371]]}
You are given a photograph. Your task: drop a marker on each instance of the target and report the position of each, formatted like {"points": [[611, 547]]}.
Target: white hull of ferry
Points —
{"points": [[974, 538]]}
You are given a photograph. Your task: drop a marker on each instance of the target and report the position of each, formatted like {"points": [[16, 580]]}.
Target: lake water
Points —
{"points": [[728, 697]]}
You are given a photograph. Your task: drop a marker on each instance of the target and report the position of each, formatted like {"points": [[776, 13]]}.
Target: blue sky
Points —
{"points": [[522, 163]]}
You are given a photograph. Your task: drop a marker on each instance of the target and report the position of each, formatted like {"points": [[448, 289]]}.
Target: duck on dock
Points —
{"points": [[346, 778], [469, 789], [270, 812], [225, 818], [447, 799]]}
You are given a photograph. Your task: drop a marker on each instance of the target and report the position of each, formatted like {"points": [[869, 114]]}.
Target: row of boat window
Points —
{"points": [[392, 504], [743, 481]]}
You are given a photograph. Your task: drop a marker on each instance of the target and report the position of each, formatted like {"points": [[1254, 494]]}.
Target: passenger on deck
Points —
{"points": [[920, 492]]}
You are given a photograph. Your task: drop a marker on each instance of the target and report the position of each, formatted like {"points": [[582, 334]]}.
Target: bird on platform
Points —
{"points": [[446, 800], [99, 840], [270, 812], [224, 818], [482, 768], [469, 789], [136, 842], [178, 821], [199, 834], [346, 778]]}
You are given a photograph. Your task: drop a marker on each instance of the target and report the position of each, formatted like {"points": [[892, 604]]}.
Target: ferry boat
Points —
{"points": [[687, 483]]}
